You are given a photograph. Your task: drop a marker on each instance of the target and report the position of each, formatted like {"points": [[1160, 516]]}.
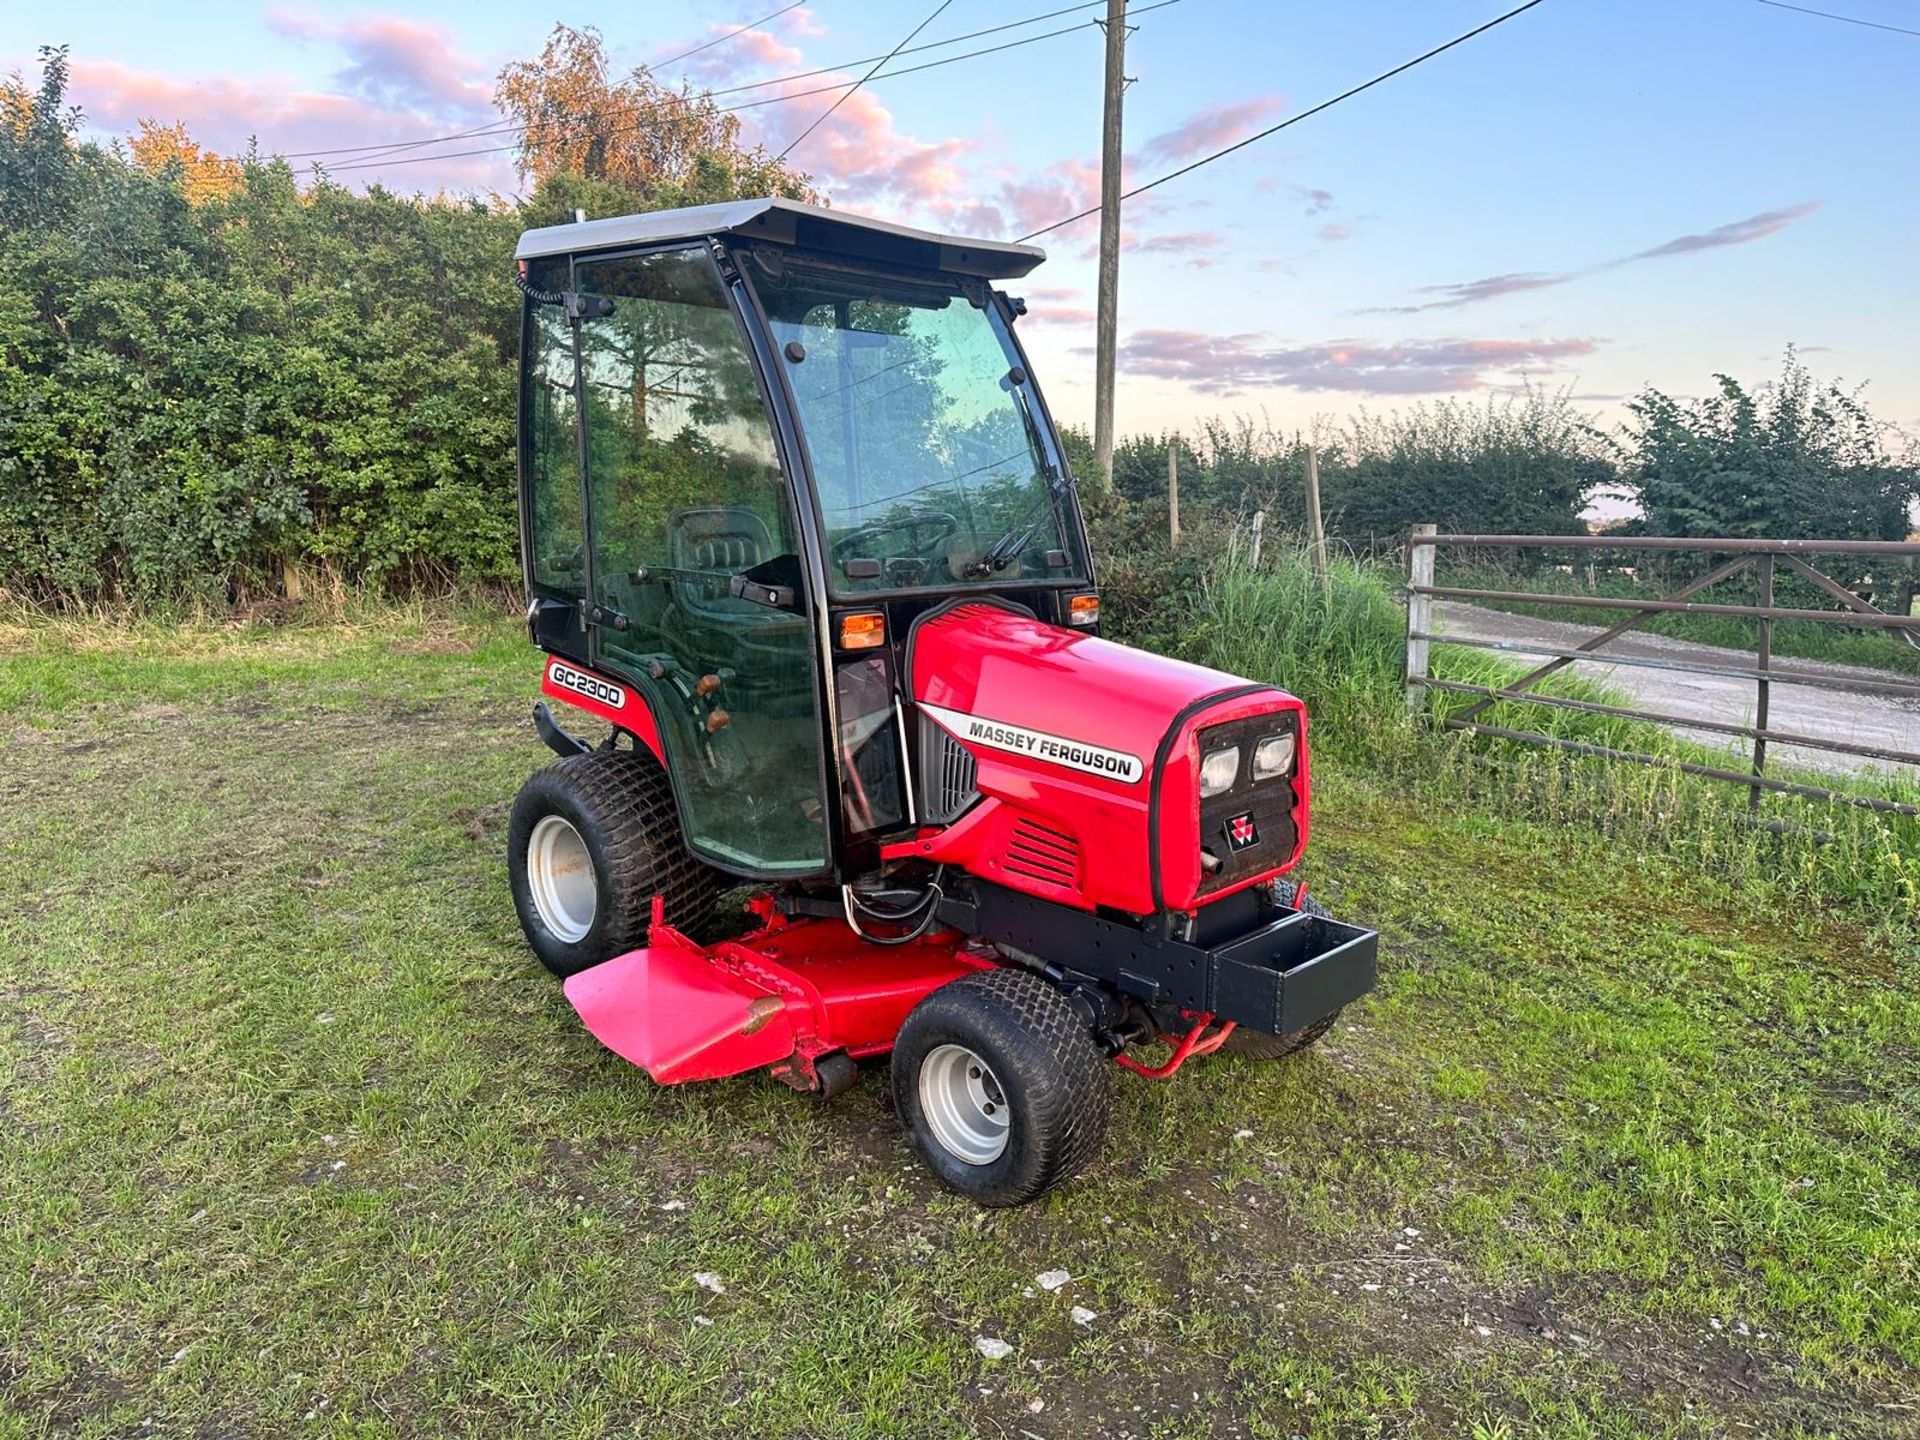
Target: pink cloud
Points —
{"points": [[1227, 364], [397, 64], [865, 159], [747, 52], [225, 114], [1209, 129], [1061, 314], [1332, 233]]}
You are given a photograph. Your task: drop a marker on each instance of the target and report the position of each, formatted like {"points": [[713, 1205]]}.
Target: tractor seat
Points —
{"points": [[722, 538]]}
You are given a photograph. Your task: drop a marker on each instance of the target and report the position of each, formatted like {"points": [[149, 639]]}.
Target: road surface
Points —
{"points": [[1883, 720]]}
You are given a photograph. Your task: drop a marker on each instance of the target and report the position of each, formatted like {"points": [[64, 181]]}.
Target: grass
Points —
{"points": [[295, 1138], [1342, 648]]}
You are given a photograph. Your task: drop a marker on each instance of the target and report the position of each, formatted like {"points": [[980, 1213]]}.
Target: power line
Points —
{"points": [[756, 104], [394, 147], [794, 143], [1844, 19], [914, 49], [1293, 120], [721, 40]]}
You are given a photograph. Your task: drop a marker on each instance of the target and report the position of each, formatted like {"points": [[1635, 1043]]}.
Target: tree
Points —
{"points": [[203, 175], [1796, 458], [662, 146]]}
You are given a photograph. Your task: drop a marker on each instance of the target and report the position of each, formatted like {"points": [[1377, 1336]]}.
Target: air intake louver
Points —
{"points": [[948, 779], [1038, 853]]}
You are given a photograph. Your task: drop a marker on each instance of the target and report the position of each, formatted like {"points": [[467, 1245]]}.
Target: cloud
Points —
{"points": [[864, 159], [1738, 232], [1493, 287], [1196, 247], [745, 53], [396, 64], [1063, 314], [1209, 129], [224, 114], [1332, 233], [1227, 364], [1315, 201]]}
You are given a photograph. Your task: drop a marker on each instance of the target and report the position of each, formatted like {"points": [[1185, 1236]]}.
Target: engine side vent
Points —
{"points": [[948, 775], [1039, 852]]}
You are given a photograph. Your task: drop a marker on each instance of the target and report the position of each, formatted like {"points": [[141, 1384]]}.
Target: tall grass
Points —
{"points": [[1340, 646]]}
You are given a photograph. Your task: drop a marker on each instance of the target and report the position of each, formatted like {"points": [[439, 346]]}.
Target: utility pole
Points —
{"points": [[1107, 325]]}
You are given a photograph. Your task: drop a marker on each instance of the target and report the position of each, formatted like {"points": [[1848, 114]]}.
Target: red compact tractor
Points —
{"points": [[797, 526]]}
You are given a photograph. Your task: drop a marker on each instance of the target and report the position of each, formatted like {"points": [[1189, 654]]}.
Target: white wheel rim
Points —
{"points": [[965, 1104], [561, 880]]}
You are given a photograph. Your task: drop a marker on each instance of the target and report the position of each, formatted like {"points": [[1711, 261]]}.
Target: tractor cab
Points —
{"points": [[759, 441], [797, 525]]}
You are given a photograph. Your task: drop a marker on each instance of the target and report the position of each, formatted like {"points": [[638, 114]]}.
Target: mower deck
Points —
{"points": [[779, 999]]}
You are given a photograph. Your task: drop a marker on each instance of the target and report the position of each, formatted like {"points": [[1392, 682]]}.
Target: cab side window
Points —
{"points": [[556, 532]]}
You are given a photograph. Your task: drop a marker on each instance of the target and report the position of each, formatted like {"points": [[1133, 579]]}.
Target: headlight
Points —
{"points": [[1217, 771], [1273, 756]]}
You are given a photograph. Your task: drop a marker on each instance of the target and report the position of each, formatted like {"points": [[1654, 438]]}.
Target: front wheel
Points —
{"points": [[592, 840], [1000, 1086]]}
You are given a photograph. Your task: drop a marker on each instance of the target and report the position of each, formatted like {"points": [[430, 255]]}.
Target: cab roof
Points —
{"points": [[789, 222]]}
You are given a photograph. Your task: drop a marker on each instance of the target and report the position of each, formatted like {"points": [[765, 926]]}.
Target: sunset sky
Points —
{"points": [[1593, 197]]}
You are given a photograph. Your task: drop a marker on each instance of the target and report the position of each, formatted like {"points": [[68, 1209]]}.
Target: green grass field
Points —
{"points": [[297, 1139]]}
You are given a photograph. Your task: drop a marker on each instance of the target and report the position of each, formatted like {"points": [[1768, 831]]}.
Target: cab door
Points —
{"points": [[685, 494]]}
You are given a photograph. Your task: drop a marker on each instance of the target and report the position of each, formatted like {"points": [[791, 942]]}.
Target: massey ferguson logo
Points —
{"points": [[580, 682], [1055, 749], [1242, 832]]}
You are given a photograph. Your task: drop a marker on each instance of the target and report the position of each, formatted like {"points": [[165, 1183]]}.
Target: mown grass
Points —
{"points": [[298, 1139]]}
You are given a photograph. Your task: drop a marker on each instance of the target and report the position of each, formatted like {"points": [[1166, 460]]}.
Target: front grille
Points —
{"points": [[1272, 804], [1038, 852], [949, 780]]}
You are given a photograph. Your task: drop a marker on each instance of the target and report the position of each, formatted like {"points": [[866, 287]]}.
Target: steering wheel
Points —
{"points": [[935, 524]]}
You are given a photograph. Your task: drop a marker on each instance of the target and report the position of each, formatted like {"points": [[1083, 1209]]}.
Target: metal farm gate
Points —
{"points": [[1767, 560]]}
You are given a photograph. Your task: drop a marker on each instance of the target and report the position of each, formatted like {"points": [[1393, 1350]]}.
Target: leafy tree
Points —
{"points": [[1798, 457], [663, 146], [203, 174]]}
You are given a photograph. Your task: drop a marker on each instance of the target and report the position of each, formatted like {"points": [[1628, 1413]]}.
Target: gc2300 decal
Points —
{"points": [[1054, 749], [584, 682]]}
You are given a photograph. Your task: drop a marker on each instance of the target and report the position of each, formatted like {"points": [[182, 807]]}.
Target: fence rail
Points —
{"points": [[1763, 558]]}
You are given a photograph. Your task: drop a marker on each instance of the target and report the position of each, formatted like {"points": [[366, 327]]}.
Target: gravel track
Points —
{"points": [[1889, 721]]}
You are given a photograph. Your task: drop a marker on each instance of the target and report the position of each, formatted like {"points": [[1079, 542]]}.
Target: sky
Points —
{"points": [[1597, 196]]}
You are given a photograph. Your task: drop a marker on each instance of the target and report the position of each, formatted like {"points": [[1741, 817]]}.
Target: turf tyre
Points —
{"points": [[1053, 1077], [620, 804]]}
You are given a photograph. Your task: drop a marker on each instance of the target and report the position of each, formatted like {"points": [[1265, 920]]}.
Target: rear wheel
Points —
{"points": [[592, 840], [1000, 1086]]}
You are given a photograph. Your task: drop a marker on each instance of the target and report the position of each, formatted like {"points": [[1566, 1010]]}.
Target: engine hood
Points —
{"points": [[1088, 747]]}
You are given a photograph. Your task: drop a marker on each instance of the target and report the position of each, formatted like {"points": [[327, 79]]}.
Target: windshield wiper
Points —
{"points": [[997, 556]]}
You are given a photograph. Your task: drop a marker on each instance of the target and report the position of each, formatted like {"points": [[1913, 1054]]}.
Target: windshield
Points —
{"points": [[924, 433]]}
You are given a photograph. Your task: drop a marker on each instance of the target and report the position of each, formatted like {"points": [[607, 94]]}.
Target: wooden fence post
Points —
{"points": [[1419, 615], [1259, 523], [1173, 493], [1314, 528]]}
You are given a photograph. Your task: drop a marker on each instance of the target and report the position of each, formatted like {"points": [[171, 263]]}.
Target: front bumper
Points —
{"points": [[1255, 962]]}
